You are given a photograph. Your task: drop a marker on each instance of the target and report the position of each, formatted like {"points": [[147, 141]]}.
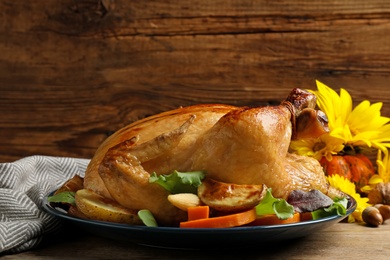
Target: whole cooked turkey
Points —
{"points": [[230, 144]]}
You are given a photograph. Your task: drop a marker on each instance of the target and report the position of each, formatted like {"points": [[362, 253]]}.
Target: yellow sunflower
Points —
{"points": [[361, 126], [383, 165], [323, 146], [346, 186]]}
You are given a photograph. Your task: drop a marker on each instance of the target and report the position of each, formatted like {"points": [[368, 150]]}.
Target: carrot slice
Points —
{"points": [[198, 212], [232, 220], [272, 219], [306, 216]]}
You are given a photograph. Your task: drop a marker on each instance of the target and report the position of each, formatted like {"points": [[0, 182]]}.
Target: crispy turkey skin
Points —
{"points": [[231, 144]]}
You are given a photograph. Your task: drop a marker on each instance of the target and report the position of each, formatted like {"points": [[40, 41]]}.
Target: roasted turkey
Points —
{"points": [[230, 144]]}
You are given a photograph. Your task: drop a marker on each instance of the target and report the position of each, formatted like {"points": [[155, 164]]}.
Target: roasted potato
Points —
{"points": [[229, 197], [96, 207]]}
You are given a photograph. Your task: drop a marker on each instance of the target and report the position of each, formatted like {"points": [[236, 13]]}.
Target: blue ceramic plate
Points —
{"points": [[199, 238]]}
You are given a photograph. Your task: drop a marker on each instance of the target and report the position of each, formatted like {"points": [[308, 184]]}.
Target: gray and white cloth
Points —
{"points": [[23, 186]]}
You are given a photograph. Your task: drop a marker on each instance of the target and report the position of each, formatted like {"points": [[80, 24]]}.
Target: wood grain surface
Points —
{"points": [[73, 72], [341, 241]]}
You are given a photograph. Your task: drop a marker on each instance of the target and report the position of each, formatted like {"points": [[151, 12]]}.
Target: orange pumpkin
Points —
{"points": [[356, 168]]}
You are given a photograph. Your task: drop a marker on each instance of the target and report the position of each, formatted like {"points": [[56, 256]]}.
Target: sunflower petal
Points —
{"points": [[346, 102]]}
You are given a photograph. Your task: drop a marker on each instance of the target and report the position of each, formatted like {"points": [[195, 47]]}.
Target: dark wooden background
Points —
{"points": [[74, 71]]}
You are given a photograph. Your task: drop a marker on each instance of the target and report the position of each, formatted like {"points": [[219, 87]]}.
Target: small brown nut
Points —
{"points": [[385, 212], [372, 216], [380, 194]]}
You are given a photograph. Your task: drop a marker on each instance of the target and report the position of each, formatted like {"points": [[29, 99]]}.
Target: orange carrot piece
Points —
{"points": [[232, 220], [306, 216], [272, 219], [198, 212]]}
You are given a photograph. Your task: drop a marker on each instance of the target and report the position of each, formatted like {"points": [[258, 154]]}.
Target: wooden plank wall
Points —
{"points": [[74, 71]]}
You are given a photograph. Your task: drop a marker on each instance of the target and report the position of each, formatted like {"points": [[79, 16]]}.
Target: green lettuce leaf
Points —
{"points": [[339, 207], [66, 197], [179, 182], [271, 205]]}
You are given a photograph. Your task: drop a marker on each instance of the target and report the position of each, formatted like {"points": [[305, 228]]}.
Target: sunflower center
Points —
{"points": [[319, 146]]}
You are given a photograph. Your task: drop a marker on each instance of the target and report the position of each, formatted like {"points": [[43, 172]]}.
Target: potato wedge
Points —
{"points": [[97, 207], [230, 197]]}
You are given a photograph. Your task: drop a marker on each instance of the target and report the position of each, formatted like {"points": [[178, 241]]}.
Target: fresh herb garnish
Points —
{"points": [[271, 205], [65, 197], [179, 182], [337, 208]]}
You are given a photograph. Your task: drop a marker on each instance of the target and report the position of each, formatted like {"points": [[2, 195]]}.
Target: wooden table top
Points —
{"points": [[340, 241], [73, 72]]}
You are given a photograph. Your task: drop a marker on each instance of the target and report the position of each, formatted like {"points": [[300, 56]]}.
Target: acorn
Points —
{"points": [[372, 216], [385, 212]]}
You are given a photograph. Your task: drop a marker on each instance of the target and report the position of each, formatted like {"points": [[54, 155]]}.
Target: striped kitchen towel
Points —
{"points": [[23, 185]]}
